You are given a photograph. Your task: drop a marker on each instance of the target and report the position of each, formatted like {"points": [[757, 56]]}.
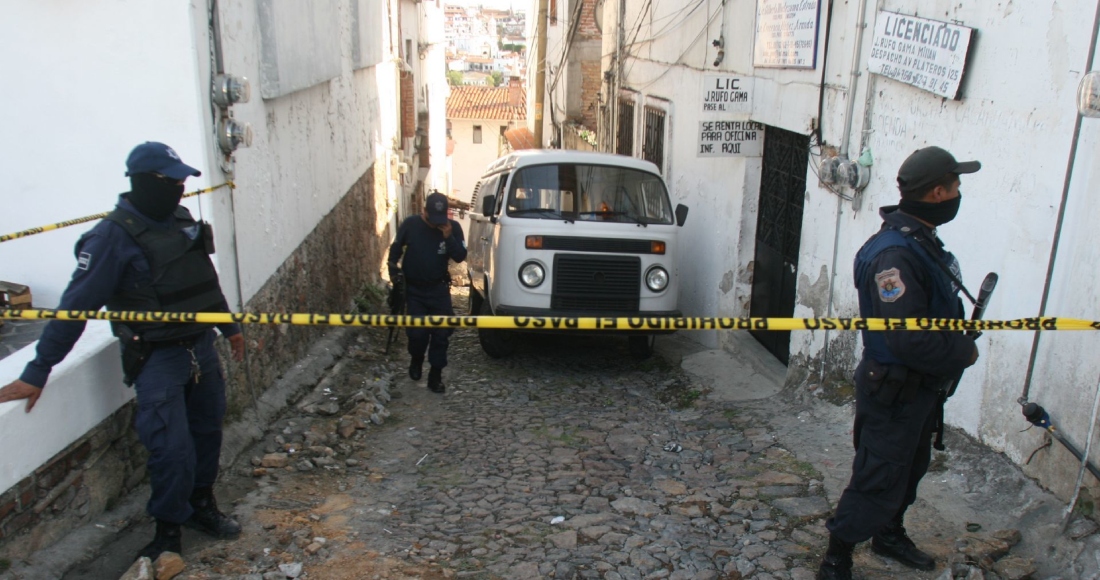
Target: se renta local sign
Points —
{"points": [[730, 139], [927, 54]]}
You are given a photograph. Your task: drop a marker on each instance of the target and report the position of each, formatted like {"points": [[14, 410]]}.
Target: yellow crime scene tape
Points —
{"points": [[558, 322], [92, 218]]}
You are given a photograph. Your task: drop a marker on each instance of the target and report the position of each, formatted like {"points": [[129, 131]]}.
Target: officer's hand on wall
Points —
{"points": [[17, 390], [236, 345]]}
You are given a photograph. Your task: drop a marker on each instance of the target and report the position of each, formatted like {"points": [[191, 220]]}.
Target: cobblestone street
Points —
{"points": [[568, 460]]}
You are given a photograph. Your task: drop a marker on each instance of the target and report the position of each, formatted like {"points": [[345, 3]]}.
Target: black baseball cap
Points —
{"points": [[436, 208], [153, 157], [927, 166]]}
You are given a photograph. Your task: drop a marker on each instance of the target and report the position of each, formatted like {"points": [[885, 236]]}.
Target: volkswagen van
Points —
{"points": [[559, 233]]}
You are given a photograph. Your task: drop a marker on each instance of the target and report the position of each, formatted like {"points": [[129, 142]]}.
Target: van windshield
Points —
{"points": [[589, 193]]}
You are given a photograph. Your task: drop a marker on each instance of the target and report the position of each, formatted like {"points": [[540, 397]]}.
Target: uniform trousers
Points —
{"points": [[179, 420], [893, 444], [430, 300]]}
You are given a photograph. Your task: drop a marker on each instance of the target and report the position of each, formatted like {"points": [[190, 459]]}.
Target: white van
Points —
{"points": [[571, 233]]}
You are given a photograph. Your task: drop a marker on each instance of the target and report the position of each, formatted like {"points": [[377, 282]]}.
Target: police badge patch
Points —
{"points": [[890, 286]]}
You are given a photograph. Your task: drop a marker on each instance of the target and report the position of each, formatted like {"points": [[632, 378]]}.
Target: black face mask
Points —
{"points": [[154, 196], [936, 214]]}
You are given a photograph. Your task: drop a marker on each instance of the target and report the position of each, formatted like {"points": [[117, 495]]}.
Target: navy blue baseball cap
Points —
{"points": [[153, 157], [436, 206]]}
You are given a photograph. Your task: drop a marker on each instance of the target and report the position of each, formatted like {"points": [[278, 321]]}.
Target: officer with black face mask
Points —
{"points": [[149, 254], [903, 271]]}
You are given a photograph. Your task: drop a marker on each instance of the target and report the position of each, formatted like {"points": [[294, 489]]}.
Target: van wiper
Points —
{"points": [[544, 210], [628, 215]]}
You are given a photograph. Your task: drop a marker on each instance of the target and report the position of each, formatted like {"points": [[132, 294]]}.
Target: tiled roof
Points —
{"points": [[520, 138], [468, 102]]}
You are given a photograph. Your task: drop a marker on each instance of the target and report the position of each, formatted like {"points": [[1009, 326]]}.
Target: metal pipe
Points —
{"points": [[1061, 213], [857, 52]]}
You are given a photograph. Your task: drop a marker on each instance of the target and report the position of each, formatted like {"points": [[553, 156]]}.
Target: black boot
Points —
{"points": [[208, 519], [416, 368], [435, 380], [892, 542], [837, 563], [167, 539]]}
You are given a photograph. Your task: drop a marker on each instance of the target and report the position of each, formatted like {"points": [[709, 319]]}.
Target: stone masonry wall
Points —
{"points": [[342, 254]]}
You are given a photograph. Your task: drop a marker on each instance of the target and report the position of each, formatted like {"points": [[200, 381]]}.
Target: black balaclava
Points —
{"points": [[153, 196], [936, 214]]}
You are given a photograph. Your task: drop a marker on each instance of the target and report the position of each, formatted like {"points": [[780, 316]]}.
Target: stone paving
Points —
{"points": [[568, 460]]}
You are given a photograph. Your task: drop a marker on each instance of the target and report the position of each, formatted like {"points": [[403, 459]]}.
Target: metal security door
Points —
{"points": [[778, 233]]}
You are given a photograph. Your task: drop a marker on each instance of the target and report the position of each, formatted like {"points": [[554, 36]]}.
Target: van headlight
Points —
{"points": [[656, 279], [531, 274]]}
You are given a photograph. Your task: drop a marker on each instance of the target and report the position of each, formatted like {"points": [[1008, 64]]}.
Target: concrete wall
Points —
{"points": [[470, 159], [1016, 115]]}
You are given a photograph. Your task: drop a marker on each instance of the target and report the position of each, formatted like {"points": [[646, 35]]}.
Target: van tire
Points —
{"points": [[495, 342], [641, 347], [475, 301]]}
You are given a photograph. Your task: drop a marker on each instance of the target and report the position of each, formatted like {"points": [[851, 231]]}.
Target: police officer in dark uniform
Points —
{"points": [[428, 241], [149, 254], [903, 271]]}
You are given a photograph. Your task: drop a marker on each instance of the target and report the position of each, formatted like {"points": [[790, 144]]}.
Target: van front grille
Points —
{"points": [[596, 283]]}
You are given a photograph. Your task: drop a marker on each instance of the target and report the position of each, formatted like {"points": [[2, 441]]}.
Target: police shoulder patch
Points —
{"points": [[890, 286]]}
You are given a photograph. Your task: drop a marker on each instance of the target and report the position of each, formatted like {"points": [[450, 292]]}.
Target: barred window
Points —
{"points": [[653, 144], [624, 144]]}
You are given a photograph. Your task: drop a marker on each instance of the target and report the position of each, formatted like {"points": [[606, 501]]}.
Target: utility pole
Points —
{"points": [[540, 69]]}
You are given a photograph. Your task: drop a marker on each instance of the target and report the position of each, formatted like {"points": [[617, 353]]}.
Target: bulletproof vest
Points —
{"points": [[944, 299], [183, 278]]}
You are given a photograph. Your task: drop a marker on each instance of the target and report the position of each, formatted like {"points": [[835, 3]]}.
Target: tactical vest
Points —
{"points": [[183, 278], [944, 300]]}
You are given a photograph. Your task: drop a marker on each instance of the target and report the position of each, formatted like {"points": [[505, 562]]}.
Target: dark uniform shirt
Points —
{"points": [[900, 286], [108, 261], [426, 252]]}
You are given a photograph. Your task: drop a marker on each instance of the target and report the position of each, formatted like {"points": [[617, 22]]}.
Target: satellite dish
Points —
{"points": [[598, 14]]}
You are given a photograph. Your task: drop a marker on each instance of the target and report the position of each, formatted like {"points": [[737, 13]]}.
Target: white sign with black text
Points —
{"points": [[727, 93], [927, 54], [786, 33], [730, 139]]}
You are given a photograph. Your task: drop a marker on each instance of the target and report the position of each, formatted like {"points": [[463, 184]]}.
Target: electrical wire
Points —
{"points": [[679, 59]]}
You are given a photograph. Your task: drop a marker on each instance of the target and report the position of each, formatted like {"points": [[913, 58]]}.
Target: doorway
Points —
{"points": [[779, 233]]}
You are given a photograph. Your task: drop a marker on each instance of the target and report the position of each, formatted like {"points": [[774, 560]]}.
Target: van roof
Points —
{"points": [[527, 157]]}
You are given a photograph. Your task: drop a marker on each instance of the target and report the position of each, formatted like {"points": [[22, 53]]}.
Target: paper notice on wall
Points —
{"points": [[786, 33], [730, 139], [927, 54]]}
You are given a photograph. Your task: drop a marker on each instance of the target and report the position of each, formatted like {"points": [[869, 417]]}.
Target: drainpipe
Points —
{"points": [[1061, 213], [853, 81]]}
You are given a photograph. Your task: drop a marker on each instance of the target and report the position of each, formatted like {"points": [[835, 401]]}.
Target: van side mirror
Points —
{"points": [[488, 204], [681, 214]]}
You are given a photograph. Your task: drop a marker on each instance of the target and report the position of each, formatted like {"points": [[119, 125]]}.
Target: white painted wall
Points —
{"points": [[470, 159], [80, 98]]}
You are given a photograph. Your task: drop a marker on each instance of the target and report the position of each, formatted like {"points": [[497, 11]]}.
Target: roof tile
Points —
{"points": [[494, 103]]}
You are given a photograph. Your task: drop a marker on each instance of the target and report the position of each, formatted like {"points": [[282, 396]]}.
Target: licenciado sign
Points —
{"points": [[927, 54]]}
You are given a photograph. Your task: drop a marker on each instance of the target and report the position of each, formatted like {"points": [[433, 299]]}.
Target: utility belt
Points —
{"points": [[890, 383], [136, 350], [421, 283]]}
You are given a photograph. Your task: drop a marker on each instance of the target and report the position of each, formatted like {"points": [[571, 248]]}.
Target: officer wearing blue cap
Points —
{"points": [[149, 254], [427, 242], [903, 271]]}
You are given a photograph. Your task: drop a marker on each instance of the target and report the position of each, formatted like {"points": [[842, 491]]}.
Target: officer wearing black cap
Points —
{"points": [[903, 271], [428, 241], [149, 254]]}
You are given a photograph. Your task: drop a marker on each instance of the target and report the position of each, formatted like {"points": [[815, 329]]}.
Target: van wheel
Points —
{"points": [[495, 342], [475, 301], [641, 347]]}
